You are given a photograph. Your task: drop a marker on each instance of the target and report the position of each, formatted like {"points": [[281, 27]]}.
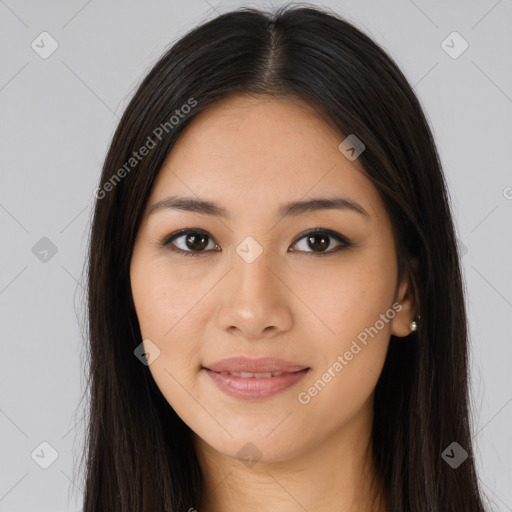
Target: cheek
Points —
{"points": [[164, 308], [158, 295], [149, 303], [350, 297], [161, 311], [352, 339], [354, 313]]}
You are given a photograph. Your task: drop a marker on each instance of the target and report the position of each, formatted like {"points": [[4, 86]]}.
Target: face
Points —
{"points": [[256, 282]]}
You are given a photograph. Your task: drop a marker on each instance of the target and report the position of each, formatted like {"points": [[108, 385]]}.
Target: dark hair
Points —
{"points": [[139, 453]]}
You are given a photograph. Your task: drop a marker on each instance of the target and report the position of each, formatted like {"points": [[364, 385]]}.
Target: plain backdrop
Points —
{"points": [[58, 113]]}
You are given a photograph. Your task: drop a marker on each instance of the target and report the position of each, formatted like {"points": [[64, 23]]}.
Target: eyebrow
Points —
{"points": [[293, 208]]}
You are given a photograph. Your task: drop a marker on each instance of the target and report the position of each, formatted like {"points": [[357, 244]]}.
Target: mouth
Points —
{"points": [[255, 385], [238, 365], [251, 375]]}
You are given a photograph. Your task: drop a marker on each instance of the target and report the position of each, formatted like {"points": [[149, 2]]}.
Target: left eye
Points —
{"points": [[321, 238], [197, 241]]}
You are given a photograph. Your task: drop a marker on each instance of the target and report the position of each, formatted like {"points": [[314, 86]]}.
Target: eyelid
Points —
{"points": [[342, 239], [329, 232], [168, 239]]}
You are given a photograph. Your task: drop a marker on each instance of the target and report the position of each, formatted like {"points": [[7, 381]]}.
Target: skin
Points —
{"points": [[250, 154]]}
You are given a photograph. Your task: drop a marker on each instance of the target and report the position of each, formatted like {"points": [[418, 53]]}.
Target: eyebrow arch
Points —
{"points": [[293, 208]]}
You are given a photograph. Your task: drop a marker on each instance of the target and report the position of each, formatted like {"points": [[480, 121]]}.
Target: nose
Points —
{"points": [[254, 300]]}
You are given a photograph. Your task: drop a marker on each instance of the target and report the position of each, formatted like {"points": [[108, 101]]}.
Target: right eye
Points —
{"points": [[193, 244]]}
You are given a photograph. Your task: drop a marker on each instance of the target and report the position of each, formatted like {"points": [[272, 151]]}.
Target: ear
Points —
{"points": [[401, 323]]}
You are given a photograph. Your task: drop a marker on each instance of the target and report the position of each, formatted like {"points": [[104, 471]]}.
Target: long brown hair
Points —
{"points": [[139, 454]]}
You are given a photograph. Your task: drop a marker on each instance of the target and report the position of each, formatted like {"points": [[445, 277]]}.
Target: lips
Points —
{"points": [[255, 379], [255, 388], [247, 367], [253, 375]]}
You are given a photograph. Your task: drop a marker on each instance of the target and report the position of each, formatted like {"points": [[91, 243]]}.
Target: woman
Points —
{"points": [[276, 313]]}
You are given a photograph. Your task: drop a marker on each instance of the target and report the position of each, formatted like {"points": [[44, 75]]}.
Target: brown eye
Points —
{"points": [[195, 242], [191, 242], [319, 240]]}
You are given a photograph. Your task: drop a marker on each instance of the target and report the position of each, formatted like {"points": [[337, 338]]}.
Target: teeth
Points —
{"points": [[246, 375]]}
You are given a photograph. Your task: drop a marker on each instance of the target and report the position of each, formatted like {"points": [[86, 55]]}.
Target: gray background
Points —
{"points": [[57, 117]]}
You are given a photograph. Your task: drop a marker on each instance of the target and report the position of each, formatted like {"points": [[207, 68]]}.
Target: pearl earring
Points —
{"points": [[414, 325]]}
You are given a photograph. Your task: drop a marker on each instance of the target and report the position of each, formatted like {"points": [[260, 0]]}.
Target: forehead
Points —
{"points": [[253, 151]]}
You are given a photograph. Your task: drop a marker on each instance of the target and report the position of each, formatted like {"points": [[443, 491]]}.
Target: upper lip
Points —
{"points": [[260, 365]]}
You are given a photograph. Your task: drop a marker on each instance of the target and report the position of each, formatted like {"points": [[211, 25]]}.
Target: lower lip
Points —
{"points": [[252, 388]]}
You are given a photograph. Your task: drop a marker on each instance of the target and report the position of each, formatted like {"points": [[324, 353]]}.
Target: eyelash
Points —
{"points": [[166, 242]]}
